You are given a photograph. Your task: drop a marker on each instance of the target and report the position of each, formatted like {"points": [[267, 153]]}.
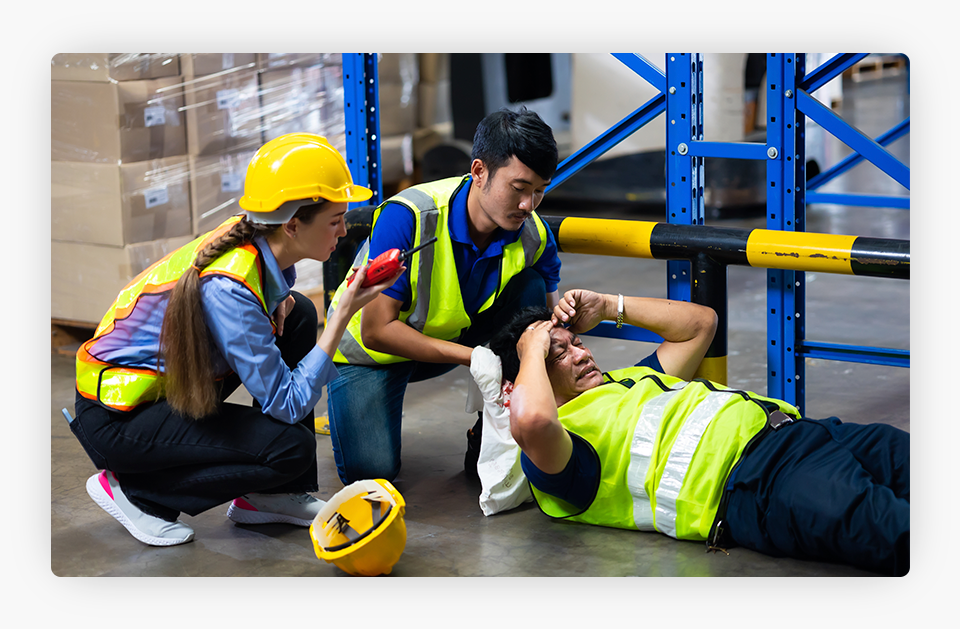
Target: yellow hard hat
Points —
{"points": [[361, 529], [294, 170]]}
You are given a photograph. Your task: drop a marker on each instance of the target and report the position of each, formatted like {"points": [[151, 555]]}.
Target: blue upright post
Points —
{"points": [[684, 83], [785, 212], [362, 122]]}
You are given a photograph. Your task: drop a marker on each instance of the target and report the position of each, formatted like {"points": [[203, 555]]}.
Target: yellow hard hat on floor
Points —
{"points": [[361, 529], [293, 170]]}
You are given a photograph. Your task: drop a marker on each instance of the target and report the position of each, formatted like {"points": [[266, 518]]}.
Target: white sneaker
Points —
{"points": [[299, 509], [105, 491]]}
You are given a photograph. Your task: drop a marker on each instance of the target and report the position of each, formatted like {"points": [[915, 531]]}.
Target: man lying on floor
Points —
{"points": [[645, 448]]}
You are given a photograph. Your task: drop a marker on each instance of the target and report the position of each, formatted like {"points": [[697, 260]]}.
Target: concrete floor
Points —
{"points": [[447, 533]]}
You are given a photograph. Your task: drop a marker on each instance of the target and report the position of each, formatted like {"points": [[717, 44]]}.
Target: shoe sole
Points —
{"points": [[246, 516], [99, 496]]}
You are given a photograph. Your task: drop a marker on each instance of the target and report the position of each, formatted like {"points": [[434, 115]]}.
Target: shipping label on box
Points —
{"points": [[107, 123], [120, 204], [223, 112], [216, 188]]}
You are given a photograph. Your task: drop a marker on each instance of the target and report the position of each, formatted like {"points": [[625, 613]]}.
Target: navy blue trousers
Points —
{"points": [[826, 491]]}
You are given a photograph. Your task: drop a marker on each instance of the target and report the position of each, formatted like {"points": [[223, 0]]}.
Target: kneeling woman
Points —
{"points": [[214, 314]]}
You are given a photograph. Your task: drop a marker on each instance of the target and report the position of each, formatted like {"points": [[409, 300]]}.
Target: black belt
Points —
{"points": [[719, 537]]}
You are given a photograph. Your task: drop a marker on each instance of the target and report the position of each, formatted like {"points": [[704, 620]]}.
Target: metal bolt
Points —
{"points": [[682, 149], [673, 90], [772, 152], [788, 93]]}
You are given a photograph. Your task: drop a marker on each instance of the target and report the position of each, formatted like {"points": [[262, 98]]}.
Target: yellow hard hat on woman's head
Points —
{"points": [[295, 170]]}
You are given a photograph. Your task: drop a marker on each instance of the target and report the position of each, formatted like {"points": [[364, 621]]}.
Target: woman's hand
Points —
{"points": [[283, 309], [581, 310], [356, 296]]}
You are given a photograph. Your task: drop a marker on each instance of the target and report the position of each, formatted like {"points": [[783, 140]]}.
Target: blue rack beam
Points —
{"points": [[856, 354], [833, 68], [854, 138], [884, 139], [863, 200]]}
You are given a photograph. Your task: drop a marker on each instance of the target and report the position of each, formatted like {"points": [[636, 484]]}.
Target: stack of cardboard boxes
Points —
{"points": [[150, 150], [434, 115]]}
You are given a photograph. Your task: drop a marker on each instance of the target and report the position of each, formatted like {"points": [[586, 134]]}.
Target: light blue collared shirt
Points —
{"points": [[242, 335], [241, 330]]}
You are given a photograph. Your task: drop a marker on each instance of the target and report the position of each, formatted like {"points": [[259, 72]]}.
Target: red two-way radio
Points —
{"points": [[387, 263]]}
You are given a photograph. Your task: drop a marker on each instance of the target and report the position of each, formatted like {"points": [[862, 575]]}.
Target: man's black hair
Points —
{"points": [[504, 342], [505, 134]]}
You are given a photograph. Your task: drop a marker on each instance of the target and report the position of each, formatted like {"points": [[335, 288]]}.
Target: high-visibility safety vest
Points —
{"points": [[122, 388], [666, 448], [436, 306]]}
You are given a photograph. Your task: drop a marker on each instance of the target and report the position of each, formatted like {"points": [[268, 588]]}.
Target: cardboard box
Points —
{"points": [[267, 61], [223, 112], [434, 67], [433, 104], [86, 278], [194, 64], [398, 108], [216, 185], [129, 121], [113, 66], [111, 204], [398, 67], [396, 158], [291, 101]]}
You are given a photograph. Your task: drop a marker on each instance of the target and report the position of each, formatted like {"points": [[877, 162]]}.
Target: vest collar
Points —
{"points": [[460, 230], [276, 282]]}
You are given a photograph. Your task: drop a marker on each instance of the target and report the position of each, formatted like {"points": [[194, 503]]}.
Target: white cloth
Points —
{"points": [[503, 485]]}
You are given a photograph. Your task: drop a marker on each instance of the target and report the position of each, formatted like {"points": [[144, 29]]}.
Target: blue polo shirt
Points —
{"points": [[478, 271]]}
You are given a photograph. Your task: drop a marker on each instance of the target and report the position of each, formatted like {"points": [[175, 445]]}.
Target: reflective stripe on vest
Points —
{"points": [[436, 308], [123, 388], [657, 479]]}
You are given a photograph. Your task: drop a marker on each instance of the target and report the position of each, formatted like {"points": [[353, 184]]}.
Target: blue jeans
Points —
{"points": [[365, 403], [827, 491], [167, 464]]}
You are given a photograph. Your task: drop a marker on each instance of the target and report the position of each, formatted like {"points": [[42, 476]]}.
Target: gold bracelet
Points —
{"points": [[619, 311]]}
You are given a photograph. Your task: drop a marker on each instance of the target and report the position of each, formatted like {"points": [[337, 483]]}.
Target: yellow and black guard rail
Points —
{"points": [[709, 249]]}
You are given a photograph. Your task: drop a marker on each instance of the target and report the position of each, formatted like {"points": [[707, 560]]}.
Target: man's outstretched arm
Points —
{"points": [[687, 329]]}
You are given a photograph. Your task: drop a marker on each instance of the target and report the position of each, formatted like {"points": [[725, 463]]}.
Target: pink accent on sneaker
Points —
{"points": [[240, 503], [106, 484]]}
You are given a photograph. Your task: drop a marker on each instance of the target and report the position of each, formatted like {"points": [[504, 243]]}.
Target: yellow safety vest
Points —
{"points": [[666, 448], [122, 388], [436, 306]]}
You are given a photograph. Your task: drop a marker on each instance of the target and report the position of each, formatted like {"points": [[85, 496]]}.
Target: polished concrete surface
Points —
{"points": [[448, 535]]}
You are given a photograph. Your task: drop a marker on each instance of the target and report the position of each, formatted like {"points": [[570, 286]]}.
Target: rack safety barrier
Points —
{"points": [[696, 270], [709, 250]]}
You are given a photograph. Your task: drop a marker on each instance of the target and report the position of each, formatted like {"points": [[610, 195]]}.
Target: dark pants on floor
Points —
{"points": [[826, 491], [366, 403], [168, 464]]}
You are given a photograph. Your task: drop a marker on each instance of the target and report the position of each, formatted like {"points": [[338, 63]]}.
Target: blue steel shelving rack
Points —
{"points": [[680, 96]]}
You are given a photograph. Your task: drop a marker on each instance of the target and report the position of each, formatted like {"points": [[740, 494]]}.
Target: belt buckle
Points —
{"points": [[776, 419]]}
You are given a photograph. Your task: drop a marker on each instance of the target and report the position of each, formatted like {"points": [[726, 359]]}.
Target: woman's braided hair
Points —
{"points": [[185, 344]]}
